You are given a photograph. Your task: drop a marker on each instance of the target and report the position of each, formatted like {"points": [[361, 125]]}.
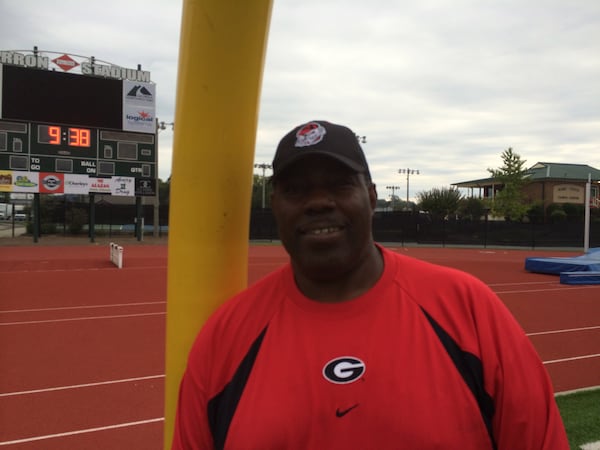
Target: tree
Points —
{"points": [[510, 201], [383, 204], [164, 189], [536, 212], [471, 208], [77, 218], [439, 202]]}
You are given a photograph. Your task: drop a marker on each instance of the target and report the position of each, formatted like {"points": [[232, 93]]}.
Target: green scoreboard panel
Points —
{"points": [[42, 147], [14, 146]]}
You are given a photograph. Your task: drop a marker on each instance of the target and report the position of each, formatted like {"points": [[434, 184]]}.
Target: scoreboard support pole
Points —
{"points": [[36, 217], [139, 221], [222, 51], [92, 221]]}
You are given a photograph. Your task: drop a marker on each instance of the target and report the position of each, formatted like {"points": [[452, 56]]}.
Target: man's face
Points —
{"points": [[324, 216]]}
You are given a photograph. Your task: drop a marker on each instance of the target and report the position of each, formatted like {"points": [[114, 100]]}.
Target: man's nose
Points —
{"points": [[319, 198]]}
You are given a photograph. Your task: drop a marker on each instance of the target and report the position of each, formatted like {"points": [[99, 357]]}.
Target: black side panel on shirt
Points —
{"points": [[222, 407], [471, 370]]}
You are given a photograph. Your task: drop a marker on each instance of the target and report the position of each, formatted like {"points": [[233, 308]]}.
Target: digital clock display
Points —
{"points": [[56, 135]]}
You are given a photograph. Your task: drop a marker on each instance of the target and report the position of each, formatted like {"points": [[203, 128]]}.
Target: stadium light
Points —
{"points": [[393, 189], [408, 173], [160, 126], [264, 167]]}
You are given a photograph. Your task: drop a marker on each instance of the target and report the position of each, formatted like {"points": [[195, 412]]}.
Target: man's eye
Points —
{"points": [[344, 183], [292, 189]]}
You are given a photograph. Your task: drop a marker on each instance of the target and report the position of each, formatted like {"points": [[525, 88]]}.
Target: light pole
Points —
{"points": [[393, 189], [160, 126], [408, 173], [264, 167]]}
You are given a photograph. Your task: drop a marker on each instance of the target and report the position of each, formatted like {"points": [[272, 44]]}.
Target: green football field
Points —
{"points": [[581, 415]]}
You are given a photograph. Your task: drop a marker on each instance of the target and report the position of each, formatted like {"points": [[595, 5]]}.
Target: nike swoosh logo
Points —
{"points": [[343, 412]]}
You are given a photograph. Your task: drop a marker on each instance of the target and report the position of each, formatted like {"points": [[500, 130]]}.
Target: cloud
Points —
{"points": [[440, 86]]}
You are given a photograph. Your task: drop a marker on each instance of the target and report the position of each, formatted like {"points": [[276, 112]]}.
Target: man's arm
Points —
{"points": [[191, 423], [526, 415]]}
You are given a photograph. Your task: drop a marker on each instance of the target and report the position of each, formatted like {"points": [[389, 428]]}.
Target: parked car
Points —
{"points": [[20, 216]]}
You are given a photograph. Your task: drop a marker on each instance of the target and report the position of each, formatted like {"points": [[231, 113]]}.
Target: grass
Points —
{"points": [[580, 412]]}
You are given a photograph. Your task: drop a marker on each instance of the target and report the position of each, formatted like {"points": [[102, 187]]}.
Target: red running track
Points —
{"points": [[82, 343]]}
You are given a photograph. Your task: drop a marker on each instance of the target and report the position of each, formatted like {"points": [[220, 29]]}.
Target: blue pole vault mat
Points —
{"points": [[588, 262], [580, 278]]}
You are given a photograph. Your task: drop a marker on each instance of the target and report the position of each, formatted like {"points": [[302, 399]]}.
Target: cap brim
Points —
{"points": [[281, 169]]}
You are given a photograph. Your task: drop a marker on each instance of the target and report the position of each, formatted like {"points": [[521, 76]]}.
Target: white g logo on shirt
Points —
{"points": [[342, 370]]}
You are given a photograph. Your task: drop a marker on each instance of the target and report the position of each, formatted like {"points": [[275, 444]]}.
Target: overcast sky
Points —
{"points": [[435, 85]]}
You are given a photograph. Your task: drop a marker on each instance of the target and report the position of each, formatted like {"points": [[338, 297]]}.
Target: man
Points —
{"points": [[353, 346]]}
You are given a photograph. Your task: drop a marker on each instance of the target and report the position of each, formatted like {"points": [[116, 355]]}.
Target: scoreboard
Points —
{"points": [[55, 124], [42, 147]]}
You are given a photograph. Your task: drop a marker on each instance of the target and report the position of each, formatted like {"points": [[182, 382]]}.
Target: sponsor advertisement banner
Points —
{"points": [[138, 93], [6, 180], [139, 106], [123, 186], [65, 183], [141, 120], [52, 183], [77, 184], [99, 185], [145, 187], [26, 182]]}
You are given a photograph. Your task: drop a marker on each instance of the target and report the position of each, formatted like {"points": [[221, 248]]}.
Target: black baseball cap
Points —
{"points": [[319, 137]]}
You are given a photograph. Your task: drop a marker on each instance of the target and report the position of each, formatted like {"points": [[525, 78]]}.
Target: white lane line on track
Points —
{"points": [[87, 430], [522, 283], [557, 288], [537, 333], [575, 358], [85, 269], [63, 308], [575, 391], [79, 386], [154, 377], [83, 318], [568, 330]]}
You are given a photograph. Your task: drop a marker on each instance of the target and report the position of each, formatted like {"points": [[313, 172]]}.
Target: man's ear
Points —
{"points": [[373, 195]]}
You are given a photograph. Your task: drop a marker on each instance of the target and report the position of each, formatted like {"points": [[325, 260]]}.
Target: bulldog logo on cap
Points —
{"points": [[310, 134]]}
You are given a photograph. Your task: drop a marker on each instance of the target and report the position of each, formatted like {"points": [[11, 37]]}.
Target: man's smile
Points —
{"points": [[325, 230]]}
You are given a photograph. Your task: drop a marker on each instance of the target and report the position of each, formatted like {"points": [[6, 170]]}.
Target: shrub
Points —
{"points": [[536, 212], [558, 215], [77, 218]]}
